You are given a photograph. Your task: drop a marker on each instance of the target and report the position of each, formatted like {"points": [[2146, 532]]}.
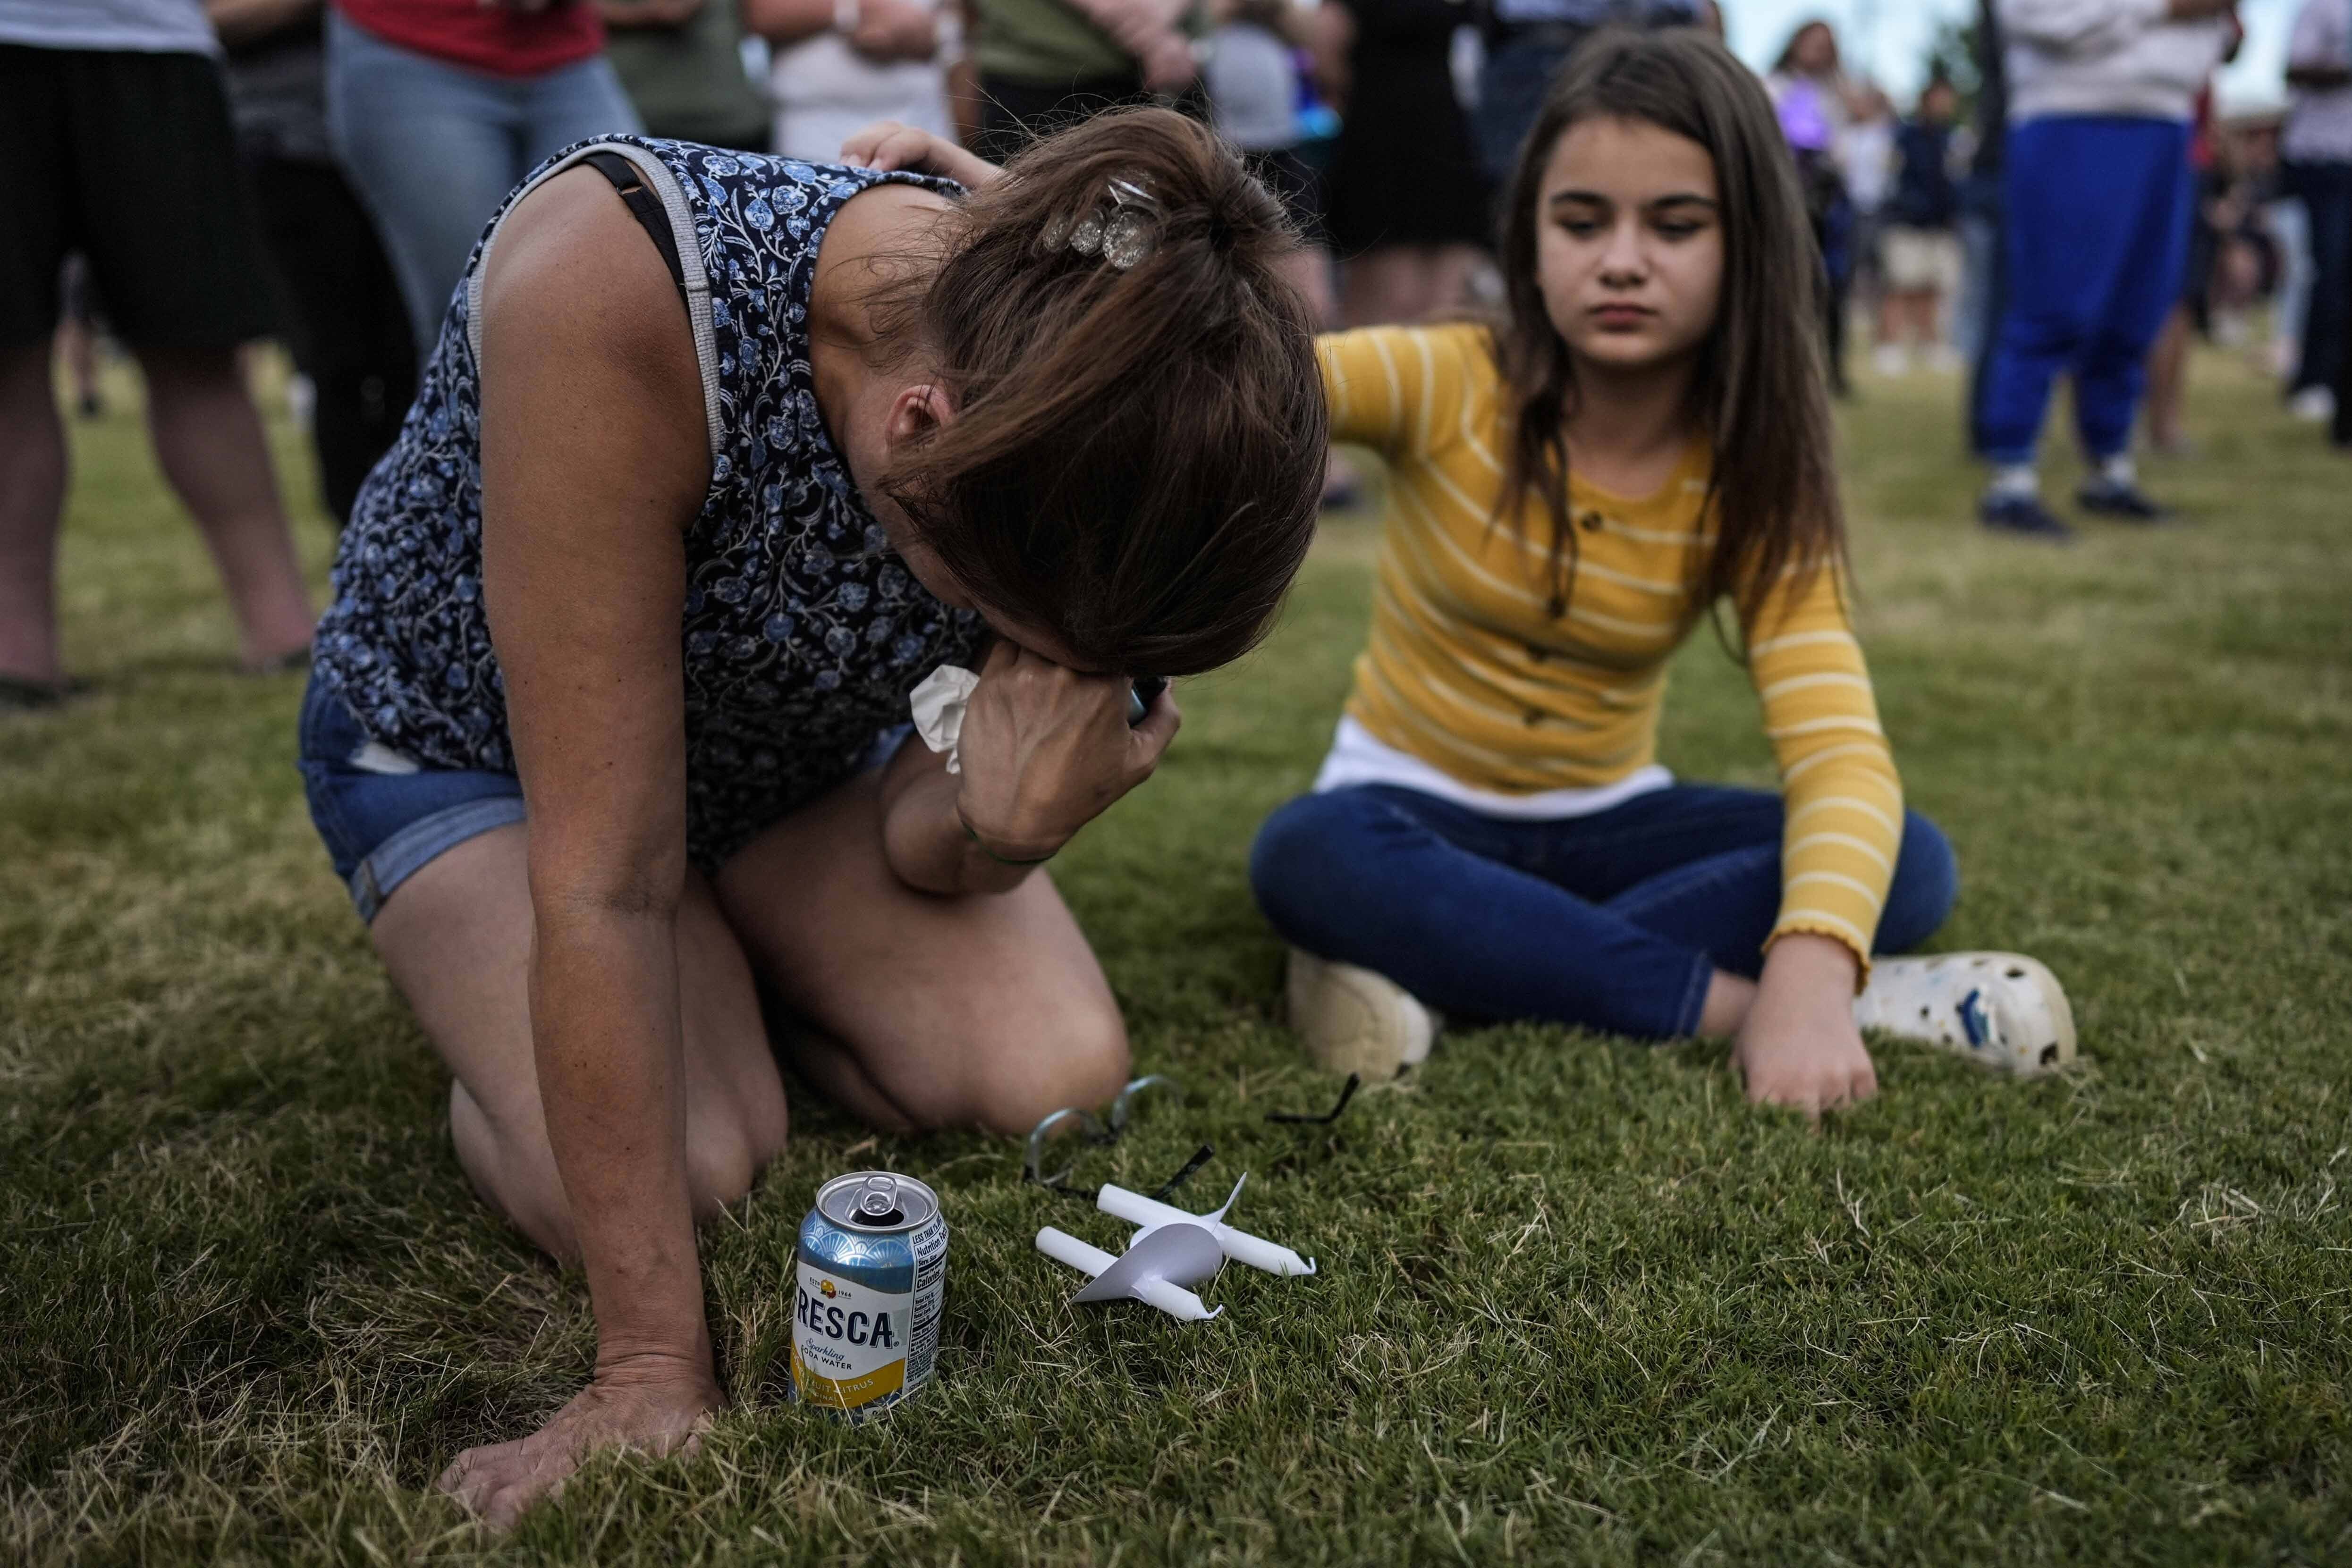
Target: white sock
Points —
{"points": [[2013, 481], [2120, 471]]}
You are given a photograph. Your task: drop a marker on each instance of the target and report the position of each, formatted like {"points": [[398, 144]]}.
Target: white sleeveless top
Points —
{"points": [[826, 91]]}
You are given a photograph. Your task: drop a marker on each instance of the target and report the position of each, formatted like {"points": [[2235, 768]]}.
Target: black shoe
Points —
{"points": [[20, 694], [2022, 515], [2127, 502]]}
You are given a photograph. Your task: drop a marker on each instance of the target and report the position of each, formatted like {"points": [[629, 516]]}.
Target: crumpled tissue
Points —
{"points": [[939, 704]]}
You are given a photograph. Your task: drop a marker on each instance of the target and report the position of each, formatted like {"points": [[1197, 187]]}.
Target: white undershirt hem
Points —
{"points": [[1356, 757]]}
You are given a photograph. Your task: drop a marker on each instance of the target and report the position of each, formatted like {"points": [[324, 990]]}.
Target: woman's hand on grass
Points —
{"points": [[1044, 750], [885, 144], [656, 1404], [1799, 1045]]}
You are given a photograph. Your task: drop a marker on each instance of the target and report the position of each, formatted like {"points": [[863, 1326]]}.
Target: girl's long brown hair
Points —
{"points": [[1760, 395]]}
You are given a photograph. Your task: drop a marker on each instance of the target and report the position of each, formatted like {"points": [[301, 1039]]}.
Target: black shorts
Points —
{"points": [[129, 159]]}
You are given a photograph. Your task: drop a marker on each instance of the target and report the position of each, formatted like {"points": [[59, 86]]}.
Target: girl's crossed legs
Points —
{"points": [[1615, 921]]}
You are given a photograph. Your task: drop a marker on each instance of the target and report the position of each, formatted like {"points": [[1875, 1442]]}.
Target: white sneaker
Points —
{"points": [[2002, 1009], [1353, 1020], [2313, 405]]}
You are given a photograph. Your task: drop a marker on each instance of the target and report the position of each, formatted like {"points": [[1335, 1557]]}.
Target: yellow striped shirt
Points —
{"points": [[1468, 671]]}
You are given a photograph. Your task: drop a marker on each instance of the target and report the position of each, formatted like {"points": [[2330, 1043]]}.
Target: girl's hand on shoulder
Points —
{"points": [[1044, 750], [1798, 1046], [888, 145]]}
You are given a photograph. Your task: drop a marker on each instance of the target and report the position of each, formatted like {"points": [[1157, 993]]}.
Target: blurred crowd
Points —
{"points": [[2058, 201]]}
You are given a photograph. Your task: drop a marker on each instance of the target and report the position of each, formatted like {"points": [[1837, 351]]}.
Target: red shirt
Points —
{"points": [[496, 38]]}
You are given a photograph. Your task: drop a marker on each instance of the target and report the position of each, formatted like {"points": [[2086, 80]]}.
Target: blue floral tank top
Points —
{"points": [[804, 634]]}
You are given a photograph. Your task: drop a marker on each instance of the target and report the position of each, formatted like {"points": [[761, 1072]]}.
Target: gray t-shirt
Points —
{"points": [[1253, 88], [2319, 127], [135, 26]]}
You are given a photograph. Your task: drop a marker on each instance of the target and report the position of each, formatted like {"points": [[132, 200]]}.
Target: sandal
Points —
{"points": [[2002, 1009]]}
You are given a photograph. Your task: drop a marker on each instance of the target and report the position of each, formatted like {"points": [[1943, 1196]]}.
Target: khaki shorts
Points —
{"points": [[1922, 259]]}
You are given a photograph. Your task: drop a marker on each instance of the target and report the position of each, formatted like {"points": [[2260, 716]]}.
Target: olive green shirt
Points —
{"points": [[688, 81], [1049, 43]]}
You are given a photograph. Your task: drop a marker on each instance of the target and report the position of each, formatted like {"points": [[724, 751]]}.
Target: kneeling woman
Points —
{"points": [[717, 458], [1571, 494]]}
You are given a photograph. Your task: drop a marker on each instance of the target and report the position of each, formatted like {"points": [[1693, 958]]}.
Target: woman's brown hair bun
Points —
{"points": [[1136, 458]]}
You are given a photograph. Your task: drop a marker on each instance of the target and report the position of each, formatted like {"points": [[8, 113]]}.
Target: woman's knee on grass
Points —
{"points": [[729, 1139], [728, 1142], [1014, 1059], [514, 1172], [1074, 1055]]}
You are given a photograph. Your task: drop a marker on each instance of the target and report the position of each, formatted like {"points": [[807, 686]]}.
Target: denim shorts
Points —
{"points": [[383, 816]]}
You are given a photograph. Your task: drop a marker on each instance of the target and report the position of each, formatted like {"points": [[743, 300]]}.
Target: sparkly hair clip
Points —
{"points": [[1119, 230]]}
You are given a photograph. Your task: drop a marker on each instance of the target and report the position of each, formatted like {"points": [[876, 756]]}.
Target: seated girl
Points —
{"points": [[1572, 494], [717, 458]]}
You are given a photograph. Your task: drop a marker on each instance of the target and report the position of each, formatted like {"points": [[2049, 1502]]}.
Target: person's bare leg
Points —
{"points": [[457, 939], [1927, 319], [209, 442], [1384, 286], [1309, 270], [1451, 267], [2168, 375], [77, 347], [930, 1012], [32, 500]]}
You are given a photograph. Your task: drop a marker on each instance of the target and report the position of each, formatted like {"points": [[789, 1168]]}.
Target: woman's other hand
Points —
{"points": [[1799, 1045], [1044, 750], [1167, 62], [889, 145], [895, 30], [658, 1405]]}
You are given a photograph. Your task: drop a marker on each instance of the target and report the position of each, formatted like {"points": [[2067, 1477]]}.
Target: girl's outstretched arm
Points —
{"points": [[885, 144], [1843, 797], [1403, 389], [1799, 1044]]}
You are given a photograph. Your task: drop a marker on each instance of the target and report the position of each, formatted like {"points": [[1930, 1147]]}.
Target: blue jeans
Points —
{"points": [[1511, 88], [2098, 210], [434, 147], [2326, 325], [1615, 921]]}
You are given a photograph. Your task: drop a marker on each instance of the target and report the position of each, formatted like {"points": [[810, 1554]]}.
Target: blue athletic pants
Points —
{"points": [[2097, 213], [1615, 921]]}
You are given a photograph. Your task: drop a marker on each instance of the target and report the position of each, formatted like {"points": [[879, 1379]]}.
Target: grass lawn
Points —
{"points": [[1579, 1303]]}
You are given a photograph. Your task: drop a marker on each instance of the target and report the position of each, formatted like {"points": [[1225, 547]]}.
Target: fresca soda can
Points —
{"points": [[873, 1263]]}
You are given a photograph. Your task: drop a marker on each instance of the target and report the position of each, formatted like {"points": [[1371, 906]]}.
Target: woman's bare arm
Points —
{"points": [[594, 460], [783, 22]]}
